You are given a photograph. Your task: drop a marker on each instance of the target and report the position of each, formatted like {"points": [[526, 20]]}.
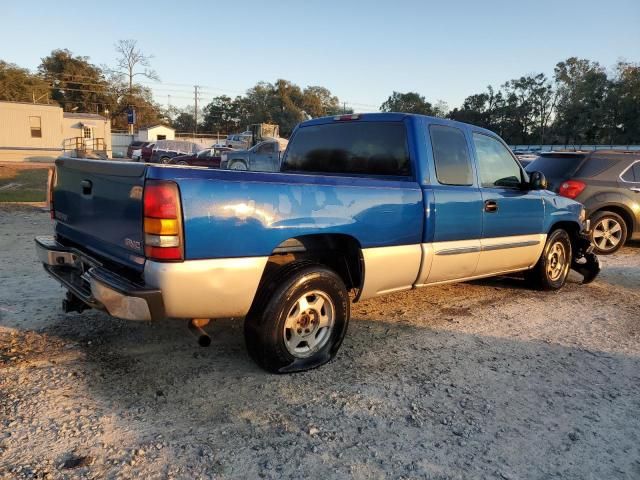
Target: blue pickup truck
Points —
{"points": [[363, 205]]}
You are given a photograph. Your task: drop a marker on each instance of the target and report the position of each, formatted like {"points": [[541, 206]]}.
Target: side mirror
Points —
{"points": [[538, 181]]}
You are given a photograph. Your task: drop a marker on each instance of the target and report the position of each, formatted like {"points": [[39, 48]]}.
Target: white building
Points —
{"points": [[156, 132], [34, 132]]}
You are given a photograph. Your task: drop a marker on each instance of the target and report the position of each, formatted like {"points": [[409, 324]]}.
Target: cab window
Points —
{"points": [[496, 166], [450, 155]]}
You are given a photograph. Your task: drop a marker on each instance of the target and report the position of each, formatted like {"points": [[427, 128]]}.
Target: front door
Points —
{"points": [[513, 216], [454, 209]]}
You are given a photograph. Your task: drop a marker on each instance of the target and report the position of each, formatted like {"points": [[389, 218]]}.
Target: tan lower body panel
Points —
{"points": [[207, 288], [390, 269]]}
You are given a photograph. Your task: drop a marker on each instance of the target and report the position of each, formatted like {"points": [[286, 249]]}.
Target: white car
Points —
{"points": [[240, 141]]}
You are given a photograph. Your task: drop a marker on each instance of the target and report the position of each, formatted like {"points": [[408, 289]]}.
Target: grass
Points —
{"points": [[23, 183]]}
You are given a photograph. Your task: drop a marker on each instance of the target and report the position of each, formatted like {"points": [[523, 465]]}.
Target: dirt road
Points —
{"points": [[479, 380]]}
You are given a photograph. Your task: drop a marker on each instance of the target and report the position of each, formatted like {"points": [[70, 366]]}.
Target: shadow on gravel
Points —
{"points": [[399, 400]]}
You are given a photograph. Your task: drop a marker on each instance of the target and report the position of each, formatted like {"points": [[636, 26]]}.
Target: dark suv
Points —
{"points": [[606, 182]]}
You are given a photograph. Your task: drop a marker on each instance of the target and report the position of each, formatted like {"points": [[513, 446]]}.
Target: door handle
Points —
{"points": [[86, 187], [490, 206]]}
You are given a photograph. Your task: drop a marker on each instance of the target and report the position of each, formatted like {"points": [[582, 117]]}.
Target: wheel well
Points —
{"points": [[626, 216], [572, 228], [341, 253]]}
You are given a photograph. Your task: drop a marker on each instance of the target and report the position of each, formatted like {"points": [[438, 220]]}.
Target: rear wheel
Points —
{"points": [[165, 160], [608, 232], [301, 322], [552, 269], [182, 162]]}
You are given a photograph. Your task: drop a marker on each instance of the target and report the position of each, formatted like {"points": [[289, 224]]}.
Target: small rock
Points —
{"points": [[314, 431]]}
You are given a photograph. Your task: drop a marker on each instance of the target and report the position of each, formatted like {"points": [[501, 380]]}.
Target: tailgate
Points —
{"points": [[98, 206]]}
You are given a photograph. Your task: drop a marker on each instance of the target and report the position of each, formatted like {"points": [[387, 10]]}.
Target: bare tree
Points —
{"points": [[132, 62]]}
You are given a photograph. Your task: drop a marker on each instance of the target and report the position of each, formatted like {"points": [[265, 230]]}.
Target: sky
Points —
{"points": [[360, 50]]}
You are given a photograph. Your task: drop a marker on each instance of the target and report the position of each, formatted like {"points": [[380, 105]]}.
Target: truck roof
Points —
{"points": [[393, 117]]}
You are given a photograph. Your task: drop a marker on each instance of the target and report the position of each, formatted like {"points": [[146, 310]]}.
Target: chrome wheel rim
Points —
{"points": [[238, 166], [556, 261], [309, 324], [166, 160], [607, 234]]}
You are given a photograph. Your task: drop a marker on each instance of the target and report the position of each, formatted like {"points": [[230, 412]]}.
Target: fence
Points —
{"points": [[553, 148]]}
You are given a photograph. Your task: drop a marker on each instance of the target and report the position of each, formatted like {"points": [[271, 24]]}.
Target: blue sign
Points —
{"points": [[131, 116]]}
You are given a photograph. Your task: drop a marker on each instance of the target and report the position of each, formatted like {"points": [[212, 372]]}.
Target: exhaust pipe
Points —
{"points": [[195, 327]]}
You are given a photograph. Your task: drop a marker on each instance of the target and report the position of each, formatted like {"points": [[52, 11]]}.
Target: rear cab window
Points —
{"points": [[357, 148]]}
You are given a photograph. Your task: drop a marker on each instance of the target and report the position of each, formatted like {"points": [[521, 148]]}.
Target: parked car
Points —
{"points": [[239, 140], [136, 153], [264, 157], [165, 150], [362, 203], [209, 157], [607, 183], [146, 152], [136, 145]]}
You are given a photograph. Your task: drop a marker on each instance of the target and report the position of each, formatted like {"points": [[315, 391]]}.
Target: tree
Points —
{"points": [[76, 84], [582, 89], [409, 102], [131, 62], [623, 104], [222, 114], [19, 85], [319, 102]]}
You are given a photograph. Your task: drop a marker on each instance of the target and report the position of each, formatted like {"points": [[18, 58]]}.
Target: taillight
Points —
{"points": [[163, 238], [571, 188], [51, 183]]}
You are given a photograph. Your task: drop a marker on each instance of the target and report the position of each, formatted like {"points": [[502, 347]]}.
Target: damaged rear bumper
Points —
{"points": [[96, 286], [584, 261]]}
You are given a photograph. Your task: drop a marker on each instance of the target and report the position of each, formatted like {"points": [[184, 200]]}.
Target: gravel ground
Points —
{"points": [[479, 380]]}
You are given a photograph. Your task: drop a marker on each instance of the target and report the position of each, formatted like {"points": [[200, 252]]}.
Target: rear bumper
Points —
{"points": [[213, 288], [96, 286]]}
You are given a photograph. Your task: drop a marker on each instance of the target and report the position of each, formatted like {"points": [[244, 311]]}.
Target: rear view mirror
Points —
{"points": [[538, 181]]}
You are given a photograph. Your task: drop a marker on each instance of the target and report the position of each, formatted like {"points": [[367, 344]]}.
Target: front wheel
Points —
{"points": [[165, 160], [552, 269], [302, 323]]}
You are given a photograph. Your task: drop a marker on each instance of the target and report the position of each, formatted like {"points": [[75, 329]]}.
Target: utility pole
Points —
{"points": [[195, 93], [344, 107], [169, 102]]}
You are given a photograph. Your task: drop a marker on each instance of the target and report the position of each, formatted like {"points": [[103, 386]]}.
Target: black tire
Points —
{"points": [[165, 160], [608, 232], [268, 340], [551, 271]]}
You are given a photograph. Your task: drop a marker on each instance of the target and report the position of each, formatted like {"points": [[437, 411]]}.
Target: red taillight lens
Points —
{"points": [[571, 188], [161, 200], [162, 221]]}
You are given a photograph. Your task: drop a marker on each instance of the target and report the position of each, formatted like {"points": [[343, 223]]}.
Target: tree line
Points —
{"points": [[582, 103]]}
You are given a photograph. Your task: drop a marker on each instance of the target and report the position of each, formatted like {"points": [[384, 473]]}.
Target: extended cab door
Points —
{"points": [[454, 209], [513, 216]]}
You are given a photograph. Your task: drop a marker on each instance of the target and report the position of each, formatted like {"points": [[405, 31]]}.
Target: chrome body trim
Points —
{"points": [[502, 246], [218, 288], [458, 250], [390, 269]]}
